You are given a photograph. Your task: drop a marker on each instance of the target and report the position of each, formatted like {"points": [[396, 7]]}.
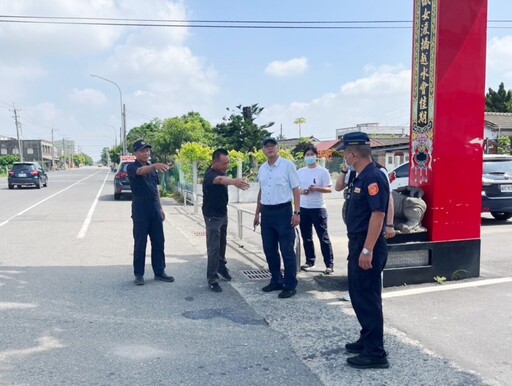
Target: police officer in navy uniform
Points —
{"points": [[147, 213], [367, 255]]}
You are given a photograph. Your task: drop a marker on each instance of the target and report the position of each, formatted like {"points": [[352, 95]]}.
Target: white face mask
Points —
{"points": [[310, 159], [348, 166]]}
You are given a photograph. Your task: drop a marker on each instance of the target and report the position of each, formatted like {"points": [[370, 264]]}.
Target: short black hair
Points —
{"points": [[312, 148], [217, 153]]}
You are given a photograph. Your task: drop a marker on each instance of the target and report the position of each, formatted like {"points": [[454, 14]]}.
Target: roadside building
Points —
{"points": [[38, 150], [496, 125], [390, 144]]}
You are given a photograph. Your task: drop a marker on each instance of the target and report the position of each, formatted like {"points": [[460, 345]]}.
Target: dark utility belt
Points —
{"points": [[144, 198], [277, 206], [355, 236]]}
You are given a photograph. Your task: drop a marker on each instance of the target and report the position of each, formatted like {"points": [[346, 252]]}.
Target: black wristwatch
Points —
{"points": [[390, 226], [296, 213], [344, 172]]}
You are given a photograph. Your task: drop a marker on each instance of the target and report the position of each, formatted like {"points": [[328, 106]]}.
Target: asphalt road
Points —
{"points": [[70, 314]]}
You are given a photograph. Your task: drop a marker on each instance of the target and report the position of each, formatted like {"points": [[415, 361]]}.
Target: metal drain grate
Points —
{"points": [[258, 274], [203, 233]]}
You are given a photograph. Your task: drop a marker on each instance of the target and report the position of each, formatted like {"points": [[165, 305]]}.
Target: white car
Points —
{"points": [[399, 176]]}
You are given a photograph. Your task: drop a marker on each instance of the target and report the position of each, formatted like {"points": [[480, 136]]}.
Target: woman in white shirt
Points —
{"points": [[314, 182]]}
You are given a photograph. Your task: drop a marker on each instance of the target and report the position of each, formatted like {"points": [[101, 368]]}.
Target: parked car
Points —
{"points": [[27, 174], [496, 184], [399, 176], [121, 181]]}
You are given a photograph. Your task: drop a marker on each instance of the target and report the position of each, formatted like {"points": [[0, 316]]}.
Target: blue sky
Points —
{"points": [[332, 78]]}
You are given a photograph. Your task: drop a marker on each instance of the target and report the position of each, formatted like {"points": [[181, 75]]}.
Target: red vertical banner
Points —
{"points": [[447, 114]]}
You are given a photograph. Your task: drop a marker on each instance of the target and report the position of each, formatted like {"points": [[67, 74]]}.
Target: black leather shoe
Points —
{"points": [[272, 287], [287, 293], [366, 362], [139, 280], [355, 347], [215, 287], [224, 272], [164, 277]]}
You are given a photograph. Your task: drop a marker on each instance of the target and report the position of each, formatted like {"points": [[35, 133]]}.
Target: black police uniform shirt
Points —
{"points": [[215, 196], [370, 192], [143, 186]]}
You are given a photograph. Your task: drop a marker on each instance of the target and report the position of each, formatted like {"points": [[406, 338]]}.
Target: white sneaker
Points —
{"points": [[307, 267]]}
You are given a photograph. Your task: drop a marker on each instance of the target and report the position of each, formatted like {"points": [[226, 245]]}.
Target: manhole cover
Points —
{"points": [[258, 274]]}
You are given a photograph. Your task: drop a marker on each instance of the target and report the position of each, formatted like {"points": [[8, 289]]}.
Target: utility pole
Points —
{"points": [[53, 152], [63, 151], [125, 152], [18, 132]]}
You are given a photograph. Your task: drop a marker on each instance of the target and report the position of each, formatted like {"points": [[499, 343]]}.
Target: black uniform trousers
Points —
{"points": [[278, 234], [365, 289], [147, 221]]}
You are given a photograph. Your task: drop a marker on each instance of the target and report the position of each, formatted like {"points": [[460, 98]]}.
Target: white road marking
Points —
{"points": [[446, 287], [46, 199], [88, 219]]}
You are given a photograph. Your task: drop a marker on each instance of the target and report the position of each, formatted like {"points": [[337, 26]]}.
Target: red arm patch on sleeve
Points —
{"points": [[373, 189]]}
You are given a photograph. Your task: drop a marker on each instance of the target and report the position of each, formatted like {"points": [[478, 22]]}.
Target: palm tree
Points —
{"points": [[300, 121]]}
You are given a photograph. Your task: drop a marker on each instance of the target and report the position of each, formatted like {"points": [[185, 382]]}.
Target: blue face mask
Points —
{"points": [[310, 159]]}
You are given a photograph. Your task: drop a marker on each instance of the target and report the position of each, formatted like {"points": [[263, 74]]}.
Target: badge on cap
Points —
{"points": [[373, 189]]}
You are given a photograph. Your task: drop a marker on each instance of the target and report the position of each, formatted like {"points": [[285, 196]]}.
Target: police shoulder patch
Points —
{"points": [[373, 189]]}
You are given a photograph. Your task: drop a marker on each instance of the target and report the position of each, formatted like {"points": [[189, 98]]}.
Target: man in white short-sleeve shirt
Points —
{"points": [[279, 185]]}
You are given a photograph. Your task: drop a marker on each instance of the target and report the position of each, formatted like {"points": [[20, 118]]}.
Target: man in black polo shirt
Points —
{"points": [[215, 212]]}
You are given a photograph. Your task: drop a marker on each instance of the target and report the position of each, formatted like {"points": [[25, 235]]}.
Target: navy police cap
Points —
{"points": [[140, 145], [355, 139]]}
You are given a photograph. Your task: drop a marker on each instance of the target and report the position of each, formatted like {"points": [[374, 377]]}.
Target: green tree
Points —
{"points": [[504, 145], [499, 101], [8, 160], [146, 131], [239, 132], [115, 154], [194, 151], [300, 121], [105, 155], [82, 159], [301, 146], [177, 131]]}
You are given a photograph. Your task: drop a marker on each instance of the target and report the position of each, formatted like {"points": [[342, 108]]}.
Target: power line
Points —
{"points": [[203, 25], [221, 24], [222, 21]]}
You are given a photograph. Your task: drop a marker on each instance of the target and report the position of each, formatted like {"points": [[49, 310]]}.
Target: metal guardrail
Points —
{"points": [[191, 198]]}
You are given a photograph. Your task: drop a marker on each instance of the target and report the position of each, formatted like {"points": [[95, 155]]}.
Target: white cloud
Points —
{"points": [[382, 96], [13, 76], [382, 80], [88, 96], [72, 40], [499, 60], [292, 67]]}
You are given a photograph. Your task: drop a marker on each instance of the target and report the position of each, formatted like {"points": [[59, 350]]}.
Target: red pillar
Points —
{"points": [[447, 114]]}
